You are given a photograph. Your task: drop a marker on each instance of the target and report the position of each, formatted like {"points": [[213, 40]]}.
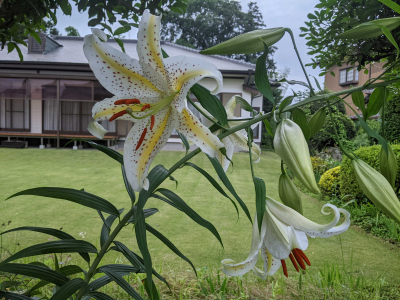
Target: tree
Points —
{"points": [[210, 22], [18, 18], [72, 31], [50, 28], [334, 17]]}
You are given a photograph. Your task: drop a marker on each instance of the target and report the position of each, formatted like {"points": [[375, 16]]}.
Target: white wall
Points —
{"points": [[36, 116]]}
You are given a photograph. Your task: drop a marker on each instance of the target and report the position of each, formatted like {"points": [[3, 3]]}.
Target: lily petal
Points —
{"points": [[293, 218], [97, 129], [183, 72], [189, 125], [116, 71], [230, 107], [203, 119], [137, 162], [224, 161], [148, 46], [239, 139], [228, 265], [334, 230], [106, 108], [271, 264]]}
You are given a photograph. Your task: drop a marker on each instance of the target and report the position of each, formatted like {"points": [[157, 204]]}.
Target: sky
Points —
{"points": [[276, 13]]}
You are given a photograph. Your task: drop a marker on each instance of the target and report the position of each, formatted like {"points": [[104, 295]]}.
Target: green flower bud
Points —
{"points": [[388, 165], [291, 146], [289, 193], [377, 189]]}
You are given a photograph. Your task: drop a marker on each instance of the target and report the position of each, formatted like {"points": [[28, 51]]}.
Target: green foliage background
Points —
{"points": [[392, 119]]}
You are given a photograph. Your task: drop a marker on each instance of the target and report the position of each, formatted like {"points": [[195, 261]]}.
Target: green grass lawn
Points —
{"points": [[98, 174]]}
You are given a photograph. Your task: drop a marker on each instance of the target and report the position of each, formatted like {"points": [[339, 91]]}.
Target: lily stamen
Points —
{"points": [[117, 115], [298, 258], [284, 268], [152, 118], [146, 106], [141, 139], [294, 262], [304, 257], [132, 101]]}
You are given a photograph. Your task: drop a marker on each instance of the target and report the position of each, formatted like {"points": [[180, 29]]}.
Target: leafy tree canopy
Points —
{"points": [[72, 31], [333, 17], [210, 22], [18, 18]]}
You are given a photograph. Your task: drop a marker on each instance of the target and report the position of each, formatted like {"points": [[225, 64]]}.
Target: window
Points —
{"points": [[45, 90], [14, 105], [347, 76]]}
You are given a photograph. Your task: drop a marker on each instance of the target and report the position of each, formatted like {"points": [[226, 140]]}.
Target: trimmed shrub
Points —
{"points": [[392, 119], [329, 182], [348, 182], [318, 165]]}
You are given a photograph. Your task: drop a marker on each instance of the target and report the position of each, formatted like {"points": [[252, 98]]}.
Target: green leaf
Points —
{"points": [[36, 36], [247, 43], [128, 186], [54, 232], [106, 228], [261, 193], [65, 7], [39, 272], [13, 296], [141, 238], [77, 196], [221, 174], [370, 29], [261, 76], [61, 246], [122, 22], [165, 200], [373, 134], [376, 101], [122, 30], [119, 268], [391, 4], [7, 284], [317, 121], [94, 22], [164, 54], [311, 17], [268, 127], [68, 289], [110, 152], [300, 118], [243, 104], [285, 102], [190, 212], [390, 37], [123, 284], [99, 296], [153, 290], [184, 142], [358, 100], [120, 43], [169, 244], [213, 182], [210, 102], [10, 46], [71, 270]]}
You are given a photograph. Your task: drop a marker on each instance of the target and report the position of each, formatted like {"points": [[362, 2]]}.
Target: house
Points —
{"points": [[347, 76], [48, 98]]}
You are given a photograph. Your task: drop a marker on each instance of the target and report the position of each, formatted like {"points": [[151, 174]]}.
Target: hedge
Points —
{"points": [[329, 183], [348, 183], [392, 119]]}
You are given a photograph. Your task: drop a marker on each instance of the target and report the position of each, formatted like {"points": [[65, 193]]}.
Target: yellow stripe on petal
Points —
{"points": [[111, 62], [151, 39]]}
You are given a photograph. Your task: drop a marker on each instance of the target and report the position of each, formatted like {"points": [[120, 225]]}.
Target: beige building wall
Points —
{"points": [[332, 82]]}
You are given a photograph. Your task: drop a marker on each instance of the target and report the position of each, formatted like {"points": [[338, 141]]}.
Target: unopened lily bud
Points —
{"points": [[377, 189], [388, 165], [291, 146], [289, 193]]}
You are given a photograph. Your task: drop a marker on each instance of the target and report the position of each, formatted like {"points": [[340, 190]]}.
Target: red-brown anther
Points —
{"points": [[141, 139], [152, 119], [303, 256], [117, 115], [299, 259], [132, 101], [294, 262], [146, 106], [119, 102], [284, 268]]}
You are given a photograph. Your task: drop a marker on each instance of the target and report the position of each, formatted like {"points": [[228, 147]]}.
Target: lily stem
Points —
{"points": [[250, 154]]}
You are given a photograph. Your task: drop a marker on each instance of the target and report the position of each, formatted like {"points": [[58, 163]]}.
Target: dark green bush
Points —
{"points": [[392, 119], [348, 183]]}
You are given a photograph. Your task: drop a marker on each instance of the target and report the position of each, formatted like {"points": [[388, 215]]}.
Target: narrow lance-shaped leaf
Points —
{"points": [[300, 118], [98, 296], [68, 289], [110, 152], [220, 172], [261, 76], [153, 290], [13, 296], [105, 229], [285, 102], [77, 196], [213, 182], [128, 186], [375, 102], [261, 192], [190, 212], [359, 101], [50, 231], [123, 284], [317, 121], [184, 141], [169, 244], [62, 246]]}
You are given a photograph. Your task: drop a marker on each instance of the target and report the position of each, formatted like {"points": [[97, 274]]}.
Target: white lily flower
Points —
{"points": [[238, 138], [153, 90], [284, 235]]}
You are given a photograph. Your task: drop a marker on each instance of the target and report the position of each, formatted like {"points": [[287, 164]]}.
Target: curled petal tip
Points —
{"points": [[99, 33], [97, 130]]}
